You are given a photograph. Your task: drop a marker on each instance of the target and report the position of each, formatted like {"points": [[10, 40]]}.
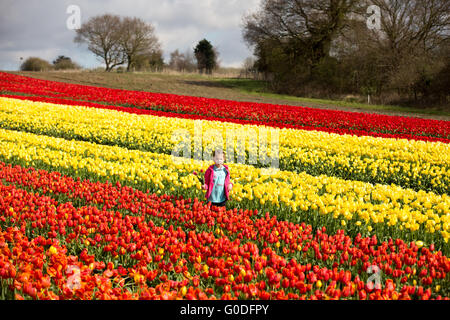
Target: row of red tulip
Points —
{"points": [[64, 101], [118, 239], [224, 110]]}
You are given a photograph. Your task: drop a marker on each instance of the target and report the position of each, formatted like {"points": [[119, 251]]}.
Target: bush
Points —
{"points": [[120, 69], [35, 64], [65, 63]]}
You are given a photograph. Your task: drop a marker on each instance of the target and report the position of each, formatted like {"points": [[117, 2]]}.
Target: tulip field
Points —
{"points": [[93, 205]]}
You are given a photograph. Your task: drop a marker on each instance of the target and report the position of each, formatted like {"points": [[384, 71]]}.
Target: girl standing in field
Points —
{"points": [[218, 180]]}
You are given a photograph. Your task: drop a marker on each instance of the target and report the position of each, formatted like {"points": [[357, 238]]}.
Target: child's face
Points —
{"points": [[218, 158]]}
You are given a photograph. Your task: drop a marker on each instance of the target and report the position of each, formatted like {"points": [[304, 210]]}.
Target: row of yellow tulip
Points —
{"points": [[330, 201], [415, 164]]}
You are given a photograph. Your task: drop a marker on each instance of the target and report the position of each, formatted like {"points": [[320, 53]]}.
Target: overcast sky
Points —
{"points": [[39, 27]]}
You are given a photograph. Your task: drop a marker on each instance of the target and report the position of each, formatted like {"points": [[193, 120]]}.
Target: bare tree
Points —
{"points": [[137, 38], [324, 47], [301, 27], [176, 60], [405, 54], [103, 35], [182, 62], [189, 64], [218, 62], [153, 62], [418, 23], [248, 67], [412, 34]]}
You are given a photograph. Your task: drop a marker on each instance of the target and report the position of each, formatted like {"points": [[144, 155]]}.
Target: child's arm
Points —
{"points": [[207, 179]]}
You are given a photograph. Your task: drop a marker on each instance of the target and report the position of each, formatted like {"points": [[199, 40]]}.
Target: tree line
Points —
{"points": [[325, 48], [130, 41]]}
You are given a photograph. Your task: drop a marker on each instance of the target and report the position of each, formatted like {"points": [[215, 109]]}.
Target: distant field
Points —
{"points": [[222, 88]]}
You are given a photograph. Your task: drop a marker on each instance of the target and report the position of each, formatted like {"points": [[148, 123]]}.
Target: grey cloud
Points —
{"points": [[38, 27]]}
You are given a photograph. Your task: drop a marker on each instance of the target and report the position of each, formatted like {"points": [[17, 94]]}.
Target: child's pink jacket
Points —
{"points": [[209, 181]]}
